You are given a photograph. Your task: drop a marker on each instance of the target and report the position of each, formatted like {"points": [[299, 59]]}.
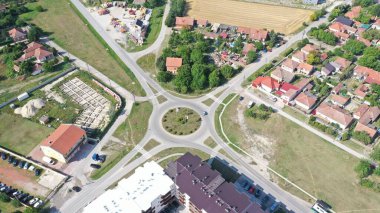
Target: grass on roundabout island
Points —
{"points": [[181, 121]]}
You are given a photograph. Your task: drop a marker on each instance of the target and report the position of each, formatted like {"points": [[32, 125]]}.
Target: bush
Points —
{"points": [[377, 171], [66, 59], [364, 169], [363, 137], [367, 183], [287, 52], [4, 197], [16, 203]]}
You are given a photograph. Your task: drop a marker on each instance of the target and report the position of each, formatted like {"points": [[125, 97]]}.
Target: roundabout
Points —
{"points": [[181, 121]]}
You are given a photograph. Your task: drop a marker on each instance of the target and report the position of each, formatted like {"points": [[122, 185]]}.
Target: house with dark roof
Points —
{"points": [[282, 75], [327, 69], [64, 142], [344, 20]]}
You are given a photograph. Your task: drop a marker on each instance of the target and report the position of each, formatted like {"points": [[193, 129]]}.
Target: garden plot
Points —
{"points": [[96, 107]]}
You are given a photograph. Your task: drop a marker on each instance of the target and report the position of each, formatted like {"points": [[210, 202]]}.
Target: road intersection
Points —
{"points": [[92, 189]]}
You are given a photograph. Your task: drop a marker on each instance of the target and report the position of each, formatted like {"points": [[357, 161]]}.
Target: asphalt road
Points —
{"points": [[74, 202]]}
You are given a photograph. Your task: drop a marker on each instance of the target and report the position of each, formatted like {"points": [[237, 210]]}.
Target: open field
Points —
{"points": [[148, 63], [80, 39], [281, 19], [19, 134], [318, 167]]}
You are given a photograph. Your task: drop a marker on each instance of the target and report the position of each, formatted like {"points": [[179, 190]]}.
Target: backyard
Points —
{"points": [[318, 167], [21, 135], [83, 42]]}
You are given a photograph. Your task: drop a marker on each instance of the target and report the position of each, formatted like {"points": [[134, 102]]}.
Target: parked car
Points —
{"points": [[258, 193], [264, 202], [15, 162], [251, 190], [48, 160], [20, 195], [250, 104], [16, 193], [3, 188], [24, 195], [37, 172], [241, 98], [4, 156], [76, 188], [26, 166], [205, 113], [26, 199], [21, 164], [33, 201], [10, 159], [274, 207], [11, 191], [8, 190], [38, 204], [95, 166], [31, 168]]}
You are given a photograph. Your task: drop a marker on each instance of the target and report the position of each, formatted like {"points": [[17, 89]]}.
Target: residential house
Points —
{"points": [[339, 100], [248, 47], [367, 116], [360, 111], [290, 95], [305, 68], [64, 142], [370, 115], [305, 101], [254, 34], [369, 75], [36, 51], [334, 115], [342, 36], [337, 88], [309, 48], [17, 34], [315, 2], [202, 22], [361, 91], [353, 13], [173, 64], [266, 84], [103, 11], [344, 20], [304, 84], [372, 132], [289, 65], [327, 69], [299, 57], [337, 27], [340, 64], [184, 22], [282, 75], [376, 25]]}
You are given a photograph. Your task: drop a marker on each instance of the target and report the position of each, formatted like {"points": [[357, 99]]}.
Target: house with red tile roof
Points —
{"points": [[305, 68], [308, 48], [354, 12], [361, 91], [370, 116], [304, 84], [367, 74], [299, 57], [340, 64], [173, 64], [289, 65], [363, 128], [376, 25], [202, 22], [305, 101], [337, 27], [266, 83], [342, 36], [248, 47], [64, 142], [334, 115], [360, 111], [254, 34], [184, 22], [37, 52], [339, 100], [17, 34], [337, 88], [367, 116]]}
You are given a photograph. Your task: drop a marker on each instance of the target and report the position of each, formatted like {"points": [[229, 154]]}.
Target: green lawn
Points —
{"points": [[19, 134], [136, 125], [154, 29], [151, 144], [182, 122], [210, 143], [310, 162], [68, 30], [208, 102], [8, 207], [148, 63]]}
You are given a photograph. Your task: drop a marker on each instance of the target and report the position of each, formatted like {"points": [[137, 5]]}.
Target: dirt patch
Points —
{"points": [[281, 19]]}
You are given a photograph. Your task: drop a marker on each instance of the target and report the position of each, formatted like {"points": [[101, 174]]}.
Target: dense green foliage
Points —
{"points": [[362, 136], [354, 46], [323, 128], [364, 169], [376, 154], [338, 11], [177, 8], [324, 36], [370, 58], [261, 112]]}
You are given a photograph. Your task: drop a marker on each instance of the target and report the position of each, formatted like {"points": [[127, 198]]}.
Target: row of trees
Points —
{"points": [[177, 8], [313, 122], [324, 36]]}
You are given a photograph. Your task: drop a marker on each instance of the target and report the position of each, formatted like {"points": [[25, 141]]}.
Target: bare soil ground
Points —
{"points": [[281, 19]]}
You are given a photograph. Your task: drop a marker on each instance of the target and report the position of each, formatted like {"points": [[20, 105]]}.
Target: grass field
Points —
{"points": [[148, 63], [281, 19], [313, 164], [21, 135], [151, 144], [182, 122], [68, 30]]}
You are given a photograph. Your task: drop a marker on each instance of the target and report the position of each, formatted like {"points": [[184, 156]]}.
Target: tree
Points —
{"points": [[215, 78], [227, 71], [164, 76], [259, 45], [4, 197], [16, 203], [325, 36], [199, 79], [363, 18], [39, 8], [196, 56], [48, 66], [363, 3], [338, 11], [362, 136], [34, 34], [302, 43], [252, 56], [313, 58], [66, 59], [354, 46], [26, 67], [371, 34], [363, 169], [183, 79], [161, 63], [238, 45], [374, 10]]}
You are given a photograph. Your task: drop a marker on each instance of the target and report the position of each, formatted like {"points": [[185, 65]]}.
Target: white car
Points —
{"points": [[31, 168], [48, 160], [33, 201], [38, 204]]}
